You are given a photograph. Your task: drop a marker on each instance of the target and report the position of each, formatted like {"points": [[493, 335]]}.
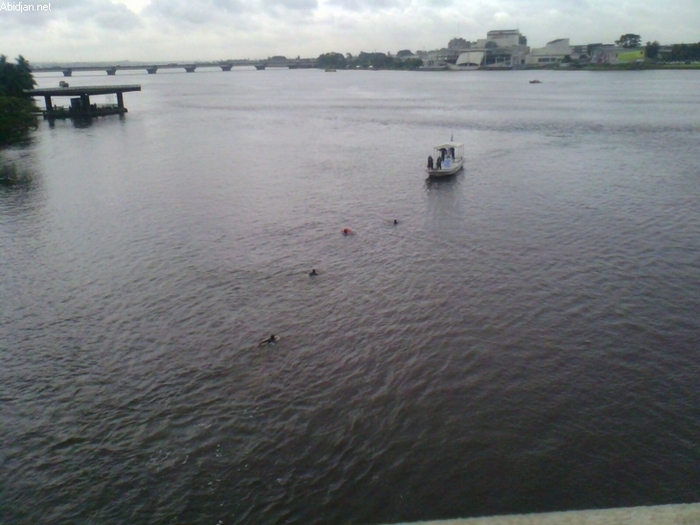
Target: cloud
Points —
{"points": [[104, 14], [196, 13], [175, 30], [117, 18], [365, 5], [292, 5]]}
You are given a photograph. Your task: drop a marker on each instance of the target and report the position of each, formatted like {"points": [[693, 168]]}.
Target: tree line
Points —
{"points": [[402, 60], [16, 107], [684, 53]]}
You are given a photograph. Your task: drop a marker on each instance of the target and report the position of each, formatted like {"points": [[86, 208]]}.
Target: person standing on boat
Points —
{"points": [[443, 152], [430, 162], [439, 162]]}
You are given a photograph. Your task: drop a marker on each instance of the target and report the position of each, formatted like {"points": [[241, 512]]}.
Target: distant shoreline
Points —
{"points": [[625, 67]]}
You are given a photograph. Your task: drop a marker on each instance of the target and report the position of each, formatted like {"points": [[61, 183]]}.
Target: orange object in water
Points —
{"points": [[347, 231]]}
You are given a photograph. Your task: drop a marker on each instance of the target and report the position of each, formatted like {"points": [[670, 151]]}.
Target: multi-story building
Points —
{"points": [[504, 38], [552, 53]]}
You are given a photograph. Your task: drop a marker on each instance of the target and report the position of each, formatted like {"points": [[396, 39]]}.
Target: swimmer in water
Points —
{"points": [[271, 341], [395, 222], [313, 272]]}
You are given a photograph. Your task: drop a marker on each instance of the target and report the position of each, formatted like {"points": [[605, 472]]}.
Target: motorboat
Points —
{"points": [[447, 159]]}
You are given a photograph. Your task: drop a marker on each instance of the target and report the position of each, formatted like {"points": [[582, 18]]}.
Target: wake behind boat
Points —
{"points": [[446, 160]]}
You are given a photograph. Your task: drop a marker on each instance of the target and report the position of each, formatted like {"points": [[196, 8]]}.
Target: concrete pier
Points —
{"points": [[80, 106], [681, 514]]}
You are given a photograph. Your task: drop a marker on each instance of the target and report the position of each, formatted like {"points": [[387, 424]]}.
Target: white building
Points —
{"points": [[553, 53], [505, 49], [502, 38], [501, 49]]}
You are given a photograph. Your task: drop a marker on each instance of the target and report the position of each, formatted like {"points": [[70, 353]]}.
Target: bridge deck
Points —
{"points": [[80, 100], [81, 90]]}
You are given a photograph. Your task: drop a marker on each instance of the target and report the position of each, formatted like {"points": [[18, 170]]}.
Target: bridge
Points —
{"points": [[225, 65]]}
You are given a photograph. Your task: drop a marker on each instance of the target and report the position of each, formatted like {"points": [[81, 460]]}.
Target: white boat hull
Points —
{"points": [[453, 168]]}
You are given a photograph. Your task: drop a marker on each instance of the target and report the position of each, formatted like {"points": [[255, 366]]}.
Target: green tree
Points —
{"points": [[15, 78], [629, 40], [410, 64], [652, 50], [16, 107], [16, 119], [375, 60], [331, 61], [685, 52]]}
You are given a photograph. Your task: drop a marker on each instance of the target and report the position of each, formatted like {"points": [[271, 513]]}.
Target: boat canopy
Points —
{"points": [[448, 145]]}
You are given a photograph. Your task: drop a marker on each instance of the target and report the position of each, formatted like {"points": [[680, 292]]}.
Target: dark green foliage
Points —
{"points": [[378, 60], [684, 53], [331, 61], [629, 40], [16, 107], [410, 64], [15, 78], [373, 60], [16, 119], [366, 61], [652, 50]]}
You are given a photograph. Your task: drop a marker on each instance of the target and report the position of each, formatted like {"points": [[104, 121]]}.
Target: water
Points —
{"points": [[525, 339]]}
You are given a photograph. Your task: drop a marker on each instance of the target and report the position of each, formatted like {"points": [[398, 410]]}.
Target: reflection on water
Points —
{"points": [[449, 182], [17, 167]]}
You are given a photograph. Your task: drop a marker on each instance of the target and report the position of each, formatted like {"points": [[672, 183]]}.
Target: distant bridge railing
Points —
{"points": [[225, 65]]}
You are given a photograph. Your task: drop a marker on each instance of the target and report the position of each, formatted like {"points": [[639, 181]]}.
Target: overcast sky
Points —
{"points": [[183, 30]]}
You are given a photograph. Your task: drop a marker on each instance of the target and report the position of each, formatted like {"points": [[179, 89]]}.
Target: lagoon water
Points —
{"points": [[527, 338]]}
